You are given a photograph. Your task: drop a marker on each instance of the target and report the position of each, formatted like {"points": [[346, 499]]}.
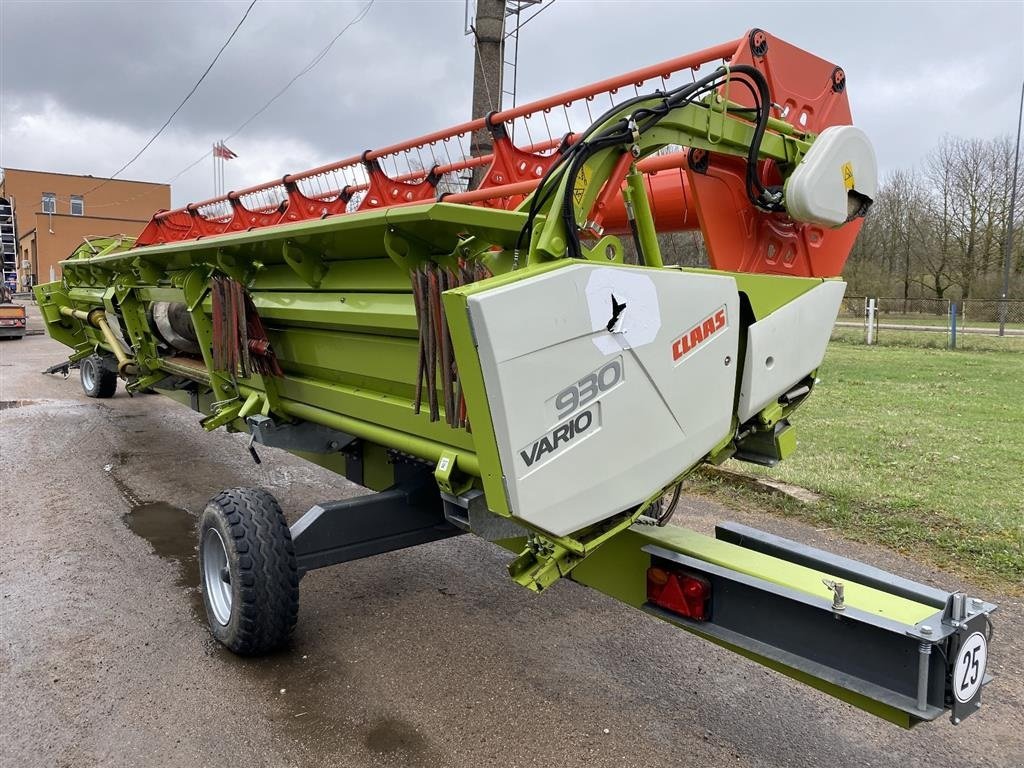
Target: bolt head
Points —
{"points": [[977, 604], [926, 630]]}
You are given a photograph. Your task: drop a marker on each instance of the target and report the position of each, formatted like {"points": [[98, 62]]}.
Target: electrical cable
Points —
{"points": [[305, 70], [177, 109]]}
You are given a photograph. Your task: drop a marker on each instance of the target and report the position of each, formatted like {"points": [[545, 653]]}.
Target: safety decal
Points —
{"points": [[848, 181]]}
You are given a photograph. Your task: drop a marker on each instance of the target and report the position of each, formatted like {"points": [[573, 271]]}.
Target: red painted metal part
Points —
{"points": [[811, 94], [738, 236], [741, 238]]}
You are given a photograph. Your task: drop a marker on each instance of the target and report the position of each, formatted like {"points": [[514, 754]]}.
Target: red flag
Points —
{"points": [[219, 150]]}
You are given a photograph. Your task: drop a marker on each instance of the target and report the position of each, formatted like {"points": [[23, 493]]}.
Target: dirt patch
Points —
{"points": [[765, 485]]}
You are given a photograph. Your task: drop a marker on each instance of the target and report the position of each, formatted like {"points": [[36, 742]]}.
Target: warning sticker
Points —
{"points": [[848, 175], [580, 187]]}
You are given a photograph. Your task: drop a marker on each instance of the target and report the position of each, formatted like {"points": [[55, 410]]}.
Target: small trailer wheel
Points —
{"points": [[248, 571], [97, 379]]}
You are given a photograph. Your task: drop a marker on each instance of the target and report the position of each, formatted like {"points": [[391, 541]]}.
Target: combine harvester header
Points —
{"points": [[483, 357]]}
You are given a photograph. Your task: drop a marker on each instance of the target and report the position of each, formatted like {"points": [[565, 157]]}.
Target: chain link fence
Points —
{"points": [[974, 324]]}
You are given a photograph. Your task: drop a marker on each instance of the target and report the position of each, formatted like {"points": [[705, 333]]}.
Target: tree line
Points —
{"points": [[937, 230], [934, 231]]}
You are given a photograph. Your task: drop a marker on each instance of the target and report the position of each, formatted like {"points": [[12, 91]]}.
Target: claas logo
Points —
{"points": [[697, 335]]}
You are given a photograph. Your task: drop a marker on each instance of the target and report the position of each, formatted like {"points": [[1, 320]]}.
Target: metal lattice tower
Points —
{"points": [[518, 13], [514, 21]]}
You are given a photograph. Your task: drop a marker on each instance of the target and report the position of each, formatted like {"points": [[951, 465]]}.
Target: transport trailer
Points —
{"points": [[12, 316], [488, 361]]}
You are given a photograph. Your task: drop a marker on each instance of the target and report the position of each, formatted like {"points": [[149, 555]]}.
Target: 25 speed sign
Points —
{"points": [[969, 670]]}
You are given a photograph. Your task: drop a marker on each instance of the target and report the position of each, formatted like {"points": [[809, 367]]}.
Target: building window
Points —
{"points": [[49, 202], [77, 205]]}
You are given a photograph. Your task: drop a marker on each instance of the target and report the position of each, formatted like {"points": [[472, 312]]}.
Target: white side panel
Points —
{"points": [[590, 422], [787, 345], [840, 161]]}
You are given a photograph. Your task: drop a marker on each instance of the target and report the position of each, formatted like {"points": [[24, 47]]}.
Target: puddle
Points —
{"points": [[172, 533], [4, 404], [302, 686]]}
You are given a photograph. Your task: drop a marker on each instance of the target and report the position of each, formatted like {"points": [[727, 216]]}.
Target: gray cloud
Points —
{"points": [[84, 84]]}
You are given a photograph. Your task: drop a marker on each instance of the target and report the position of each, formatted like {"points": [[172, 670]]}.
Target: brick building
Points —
{"points": [[53, 212]]}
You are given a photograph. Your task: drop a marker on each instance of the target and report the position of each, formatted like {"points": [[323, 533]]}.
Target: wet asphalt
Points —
{"points": [[425, 657]]}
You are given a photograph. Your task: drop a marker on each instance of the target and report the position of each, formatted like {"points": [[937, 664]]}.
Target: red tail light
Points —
{"points": [[685, 594]]}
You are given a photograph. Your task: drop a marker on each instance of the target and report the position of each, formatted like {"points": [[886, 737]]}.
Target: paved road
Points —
{"points": [[428, 657]]}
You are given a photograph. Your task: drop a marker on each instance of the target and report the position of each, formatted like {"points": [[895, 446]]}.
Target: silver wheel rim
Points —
{"points": [[216, 576], [88, 374]]}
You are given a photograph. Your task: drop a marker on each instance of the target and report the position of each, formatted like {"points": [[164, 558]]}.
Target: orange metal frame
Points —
{"points": [[687, 190]]}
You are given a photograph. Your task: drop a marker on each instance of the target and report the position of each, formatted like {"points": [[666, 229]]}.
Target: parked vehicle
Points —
{"points": [[12, 316]]}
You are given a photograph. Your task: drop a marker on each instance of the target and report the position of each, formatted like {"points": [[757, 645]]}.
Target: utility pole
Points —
{"points": [[488, 32], [1008, 243]]}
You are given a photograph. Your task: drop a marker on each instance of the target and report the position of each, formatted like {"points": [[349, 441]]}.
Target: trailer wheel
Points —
{"points": [[97, 379], [248, 571]]}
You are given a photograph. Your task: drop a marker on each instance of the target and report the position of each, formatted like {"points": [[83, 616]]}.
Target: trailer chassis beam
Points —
{"points": [[409, 513], [879, 642]]}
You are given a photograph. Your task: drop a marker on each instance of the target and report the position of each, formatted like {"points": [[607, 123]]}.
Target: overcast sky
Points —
{"points": [[84, 84]]}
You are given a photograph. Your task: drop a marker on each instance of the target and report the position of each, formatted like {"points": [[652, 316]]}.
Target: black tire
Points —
{"points": [[246, 560], [97, 379]]}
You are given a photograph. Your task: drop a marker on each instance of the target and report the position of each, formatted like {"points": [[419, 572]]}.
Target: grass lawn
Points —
{"points": [[921, 450]]}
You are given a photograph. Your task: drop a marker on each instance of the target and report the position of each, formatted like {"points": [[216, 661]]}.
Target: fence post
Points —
{"points": [[871, 322], [952, 325]]}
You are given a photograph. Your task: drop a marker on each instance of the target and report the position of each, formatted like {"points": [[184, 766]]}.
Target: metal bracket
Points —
{"points": [[303, 436], [469, 512], [227, 413], [146, 382], [230, 265], [305, 262], [406, 515]]}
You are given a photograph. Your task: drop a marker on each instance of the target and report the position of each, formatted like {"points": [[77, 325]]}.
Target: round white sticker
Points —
{"points": [[970, 667]]}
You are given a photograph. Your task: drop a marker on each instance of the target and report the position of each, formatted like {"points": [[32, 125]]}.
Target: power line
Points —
{"points": [[316, 60], [189, 167], [304, 71], [182, 104]]}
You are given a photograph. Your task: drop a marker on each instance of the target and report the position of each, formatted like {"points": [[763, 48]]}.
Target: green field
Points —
{"points": [[921, 450]]}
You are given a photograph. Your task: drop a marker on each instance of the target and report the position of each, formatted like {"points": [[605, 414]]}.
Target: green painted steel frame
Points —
{"points": [[619, 568]]}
